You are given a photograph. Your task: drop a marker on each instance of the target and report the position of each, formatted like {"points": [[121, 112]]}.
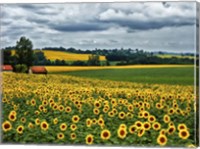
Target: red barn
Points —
{"points": [[38, 70], [8, 68]]}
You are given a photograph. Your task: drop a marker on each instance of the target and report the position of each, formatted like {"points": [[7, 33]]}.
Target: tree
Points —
{"points": [[24, 52], [6, 56], [94, 60]]}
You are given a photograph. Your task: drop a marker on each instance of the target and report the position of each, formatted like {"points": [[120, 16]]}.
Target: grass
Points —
{"points": [[173, 76]]}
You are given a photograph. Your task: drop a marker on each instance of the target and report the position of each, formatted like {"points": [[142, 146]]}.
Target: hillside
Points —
{"points": [[53, 55], [67, 56]]}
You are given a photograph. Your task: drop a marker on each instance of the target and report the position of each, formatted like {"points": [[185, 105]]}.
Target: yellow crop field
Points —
{"points": [[78, 68], [73, 110], [53, 55], [177, 56]]}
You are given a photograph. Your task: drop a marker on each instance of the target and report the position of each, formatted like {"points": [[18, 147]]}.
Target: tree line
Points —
{"points": [[25, 56]]}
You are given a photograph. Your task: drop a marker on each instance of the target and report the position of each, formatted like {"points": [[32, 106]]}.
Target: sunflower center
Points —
{"points": [[162, 140], [146, 125], [122, 132], [89, 139], [183, 133], [105, 134], [171, 130], [151, 118], [6, 126], [156, 125], [44, 125], [132, 129]]}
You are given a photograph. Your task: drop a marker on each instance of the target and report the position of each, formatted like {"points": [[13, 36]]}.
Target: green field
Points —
{"points": [[174, 76]]}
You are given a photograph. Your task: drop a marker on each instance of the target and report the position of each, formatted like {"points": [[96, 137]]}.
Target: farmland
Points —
{"points": [[153, 74], [78, 107], [177, 56]]}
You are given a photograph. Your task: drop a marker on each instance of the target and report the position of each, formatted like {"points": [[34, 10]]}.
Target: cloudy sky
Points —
{"points": [[152, 26]]}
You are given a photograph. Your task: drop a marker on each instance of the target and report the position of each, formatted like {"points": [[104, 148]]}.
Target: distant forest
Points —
{"points": [[120, 56]]}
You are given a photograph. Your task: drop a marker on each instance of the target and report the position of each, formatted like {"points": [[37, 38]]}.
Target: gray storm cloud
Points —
{"points": [[168, 26]]}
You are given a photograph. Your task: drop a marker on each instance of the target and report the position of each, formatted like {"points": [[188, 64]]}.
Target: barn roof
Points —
{"points": [[38, 69], [7, 68]]}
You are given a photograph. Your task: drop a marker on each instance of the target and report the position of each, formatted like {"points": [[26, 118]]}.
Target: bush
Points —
{"points": [[22, 68]]}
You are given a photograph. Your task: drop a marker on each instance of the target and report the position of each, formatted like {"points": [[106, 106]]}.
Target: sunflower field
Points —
{"points": [[63, 109]]}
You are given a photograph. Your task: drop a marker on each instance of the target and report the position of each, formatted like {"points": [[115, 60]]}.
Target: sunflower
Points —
{"points": [[145, 114], [89, 139], [156, 126], [163, 132], [105, 134], [96, 111], [12, 117], [37, 121], [175, 105], [132, 129], [141, 132], [23, 119], [30, 125], [45, 110], [4, 100], [6, 126], [146, 125], [182, 126], [44, 103], [121, 132], [130, 108], [60, 136], [13, 112], [184, 134], [94, 121], [162, 140], [20, 129], [37, 112], [159, 106], [166, 118], [140, 114], [44, 126], [73, 127], [111, 114], [73, 136], [129, 115], [114, 111], [55, 121], [61, 108], [171, 130], [75, 119], [151, 118], [33, 102], [97, 104], [123, 126], [55, 107], [191, 146], [121, 115], [138, 124], [100, 122], [41, 107], [88, 122], [63, 127], [171, 111], [105, 110]]}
